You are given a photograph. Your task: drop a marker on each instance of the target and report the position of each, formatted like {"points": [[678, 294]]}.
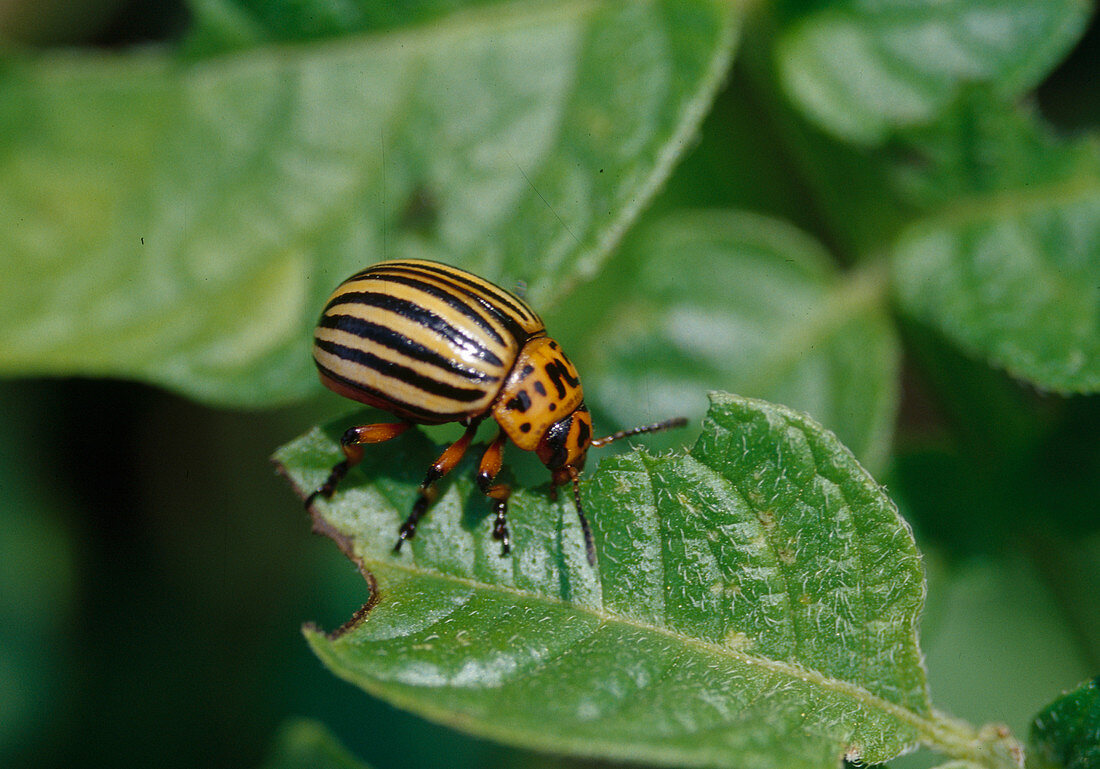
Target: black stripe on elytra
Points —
{"points": [[504, 297], [418, 414], [421, 316], [454, 302], [390, 339], [507, 311], [402, 373]]}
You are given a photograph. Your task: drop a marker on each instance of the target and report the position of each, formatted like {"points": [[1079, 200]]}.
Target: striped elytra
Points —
{"points": [[424, 341], [430, 343]]}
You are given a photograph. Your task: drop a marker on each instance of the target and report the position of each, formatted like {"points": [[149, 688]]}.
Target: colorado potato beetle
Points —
{"points": [[430, 344]]}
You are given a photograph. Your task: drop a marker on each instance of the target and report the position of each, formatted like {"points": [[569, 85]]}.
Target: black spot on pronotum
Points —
{"points": [[559, 376], [521, 402], [525, 427]]}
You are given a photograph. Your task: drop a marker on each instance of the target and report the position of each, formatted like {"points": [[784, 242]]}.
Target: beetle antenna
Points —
{"points": [[589, 544], [657, 427]]}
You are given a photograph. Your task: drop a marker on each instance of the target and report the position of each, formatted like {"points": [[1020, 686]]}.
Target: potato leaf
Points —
{"points": [[1012, 272], [1066, 734], [864, 68], [755, 601]]}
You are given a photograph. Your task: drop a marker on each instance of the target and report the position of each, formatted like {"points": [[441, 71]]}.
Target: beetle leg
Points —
{"points": [[450, 457], [351, 442], [589, 543], [487, 471]]}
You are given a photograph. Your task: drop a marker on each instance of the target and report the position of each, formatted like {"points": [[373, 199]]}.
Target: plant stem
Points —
{"points": [[992, 746]]}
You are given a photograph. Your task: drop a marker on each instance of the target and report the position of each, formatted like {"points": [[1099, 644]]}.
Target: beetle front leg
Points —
{"points": [[351, 443], [491, 462], [451, 456]]}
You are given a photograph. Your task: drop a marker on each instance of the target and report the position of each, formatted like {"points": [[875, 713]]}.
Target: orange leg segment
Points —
{"points": [[450, 457], [351, 442], [491, 462]]}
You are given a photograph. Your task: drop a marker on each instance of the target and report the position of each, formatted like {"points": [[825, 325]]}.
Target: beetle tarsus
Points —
{"points": [[329, 486], [407, 531], [500, 528], [408, 528]]}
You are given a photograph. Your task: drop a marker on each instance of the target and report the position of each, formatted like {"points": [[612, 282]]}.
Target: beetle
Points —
{"points": [[430, 344]]}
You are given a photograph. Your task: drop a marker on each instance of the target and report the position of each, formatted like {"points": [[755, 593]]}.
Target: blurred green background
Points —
{"points": [[155, 572]]}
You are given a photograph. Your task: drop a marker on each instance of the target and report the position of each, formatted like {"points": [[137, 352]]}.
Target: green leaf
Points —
{"points": [[755, 602], [1066, 733], [181, 223], [745, 303], [223, 25], [984, 147], [863, 68], [306, 744], [1012, 272]]}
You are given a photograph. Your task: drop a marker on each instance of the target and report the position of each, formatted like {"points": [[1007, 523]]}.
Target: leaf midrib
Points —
{"points": [[924, 724], [1011, 203], [862, 291]]}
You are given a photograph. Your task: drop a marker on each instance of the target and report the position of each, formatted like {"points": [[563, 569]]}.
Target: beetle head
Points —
{"points": [[565, 445], [563, 449]]}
